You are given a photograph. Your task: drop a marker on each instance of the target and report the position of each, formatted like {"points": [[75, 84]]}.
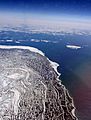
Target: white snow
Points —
{"points": [[73, 46], [9, 40], [32, 49], [55, 66], [15, 76], [44, 41], [35, 40], [17, 42], [15, 100]]}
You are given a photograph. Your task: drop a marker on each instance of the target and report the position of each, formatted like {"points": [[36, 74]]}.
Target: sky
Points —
{"points": [[52, 10], [67, 7]]}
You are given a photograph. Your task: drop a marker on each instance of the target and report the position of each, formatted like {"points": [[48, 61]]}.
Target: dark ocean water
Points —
{"points": [[75, 68]]}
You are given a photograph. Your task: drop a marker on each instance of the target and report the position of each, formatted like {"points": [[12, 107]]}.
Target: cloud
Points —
{"points": [[38, 23]]}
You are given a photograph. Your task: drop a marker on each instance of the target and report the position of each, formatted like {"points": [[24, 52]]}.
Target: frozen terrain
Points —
{"points": [[30, 88]]}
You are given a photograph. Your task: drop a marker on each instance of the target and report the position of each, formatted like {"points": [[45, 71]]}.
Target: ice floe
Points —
{"points": [[73, 46]]}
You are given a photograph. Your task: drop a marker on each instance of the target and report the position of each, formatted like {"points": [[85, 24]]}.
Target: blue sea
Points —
{"points": [[74, 64]]}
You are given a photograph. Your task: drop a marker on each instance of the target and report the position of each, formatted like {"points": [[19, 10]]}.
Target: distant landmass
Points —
{"points": [[30, 88]]}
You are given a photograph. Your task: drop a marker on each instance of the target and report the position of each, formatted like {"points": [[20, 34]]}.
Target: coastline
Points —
{"points": [[32, 49], [53, 64]]}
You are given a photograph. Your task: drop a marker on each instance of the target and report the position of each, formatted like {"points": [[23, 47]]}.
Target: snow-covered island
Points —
{"points": [[30, 88], [73, 47]]}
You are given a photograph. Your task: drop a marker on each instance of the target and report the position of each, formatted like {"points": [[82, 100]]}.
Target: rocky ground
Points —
{"points": [[30, 89]]}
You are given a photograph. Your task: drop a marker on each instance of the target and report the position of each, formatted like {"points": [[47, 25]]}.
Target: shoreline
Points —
{"points": [[32, 49], [53, 64]]}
